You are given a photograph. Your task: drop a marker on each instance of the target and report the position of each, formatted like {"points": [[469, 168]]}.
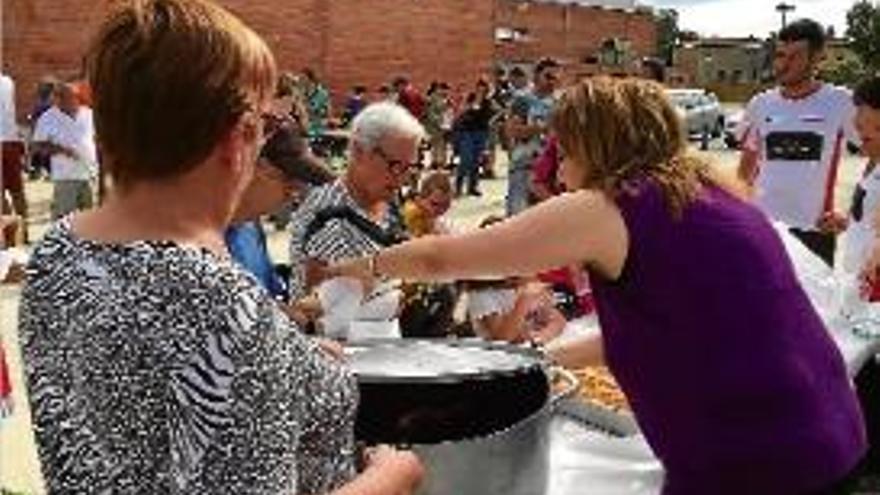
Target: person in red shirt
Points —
{"points": [[569, 283], [545, 183], [409, 97]]}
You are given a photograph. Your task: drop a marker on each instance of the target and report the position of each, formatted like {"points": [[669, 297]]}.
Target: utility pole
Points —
{"points": [[784, 8]]}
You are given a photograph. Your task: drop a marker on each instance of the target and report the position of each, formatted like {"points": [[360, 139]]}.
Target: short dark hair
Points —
{"points": [[544, 64], [310, 74], [804, 30], [435, 181], [288, 151], [517, 72], [285, 85], [867, 93]]}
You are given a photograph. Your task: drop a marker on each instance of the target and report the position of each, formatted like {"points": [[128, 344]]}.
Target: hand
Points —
{"points": [[16, 274], [536, 295], [832, 222], [317, 271], [9, 221], [403, 466], [331, 348], [70, 153], [868, 275], [310, 307], [66, 151], [304, 310]]}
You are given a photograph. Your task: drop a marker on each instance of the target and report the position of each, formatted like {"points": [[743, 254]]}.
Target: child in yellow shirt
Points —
{"points": [[421, 215]]}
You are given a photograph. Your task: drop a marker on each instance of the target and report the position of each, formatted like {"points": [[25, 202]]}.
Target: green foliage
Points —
{"points": [[667, 34], [846, 73], [863, 32]]}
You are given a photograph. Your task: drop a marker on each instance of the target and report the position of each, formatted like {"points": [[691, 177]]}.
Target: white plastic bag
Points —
{"points": [[820, 282]]}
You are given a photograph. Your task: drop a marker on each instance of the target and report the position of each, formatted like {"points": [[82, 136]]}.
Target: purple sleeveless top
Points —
{"points": [[733, 377]]}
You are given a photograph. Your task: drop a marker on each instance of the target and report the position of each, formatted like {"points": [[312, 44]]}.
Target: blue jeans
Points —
{"points": [[471, 145], [519, 180]]}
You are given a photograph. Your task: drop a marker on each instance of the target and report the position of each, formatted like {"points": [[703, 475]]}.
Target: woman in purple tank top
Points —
{"points": [[733, 378]]}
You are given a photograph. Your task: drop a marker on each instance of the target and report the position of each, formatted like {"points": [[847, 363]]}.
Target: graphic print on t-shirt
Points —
{"points": [[797, 146]]}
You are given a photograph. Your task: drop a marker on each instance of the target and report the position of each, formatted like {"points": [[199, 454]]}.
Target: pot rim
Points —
{"points": [[537, 361], [544, 413]]}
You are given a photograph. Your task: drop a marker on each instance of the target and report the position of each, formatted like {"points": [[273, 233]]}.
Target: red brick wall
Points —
{"points": [[571, 32], [346, 41], [371, 41], [40, 39]]}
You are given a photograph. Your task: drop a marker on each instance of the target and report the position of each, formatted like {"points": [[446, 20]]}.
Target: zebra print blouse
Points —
{"points": [[157, 368]]}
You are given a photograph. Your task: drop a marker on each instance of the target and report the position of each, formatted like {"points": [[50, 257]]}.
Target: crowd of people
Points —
{"points": [[167, 349]]}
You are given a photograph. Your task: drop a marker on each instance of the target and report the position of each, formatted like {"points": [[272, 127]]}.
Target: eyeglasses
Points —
{"points": [[395, 167]]}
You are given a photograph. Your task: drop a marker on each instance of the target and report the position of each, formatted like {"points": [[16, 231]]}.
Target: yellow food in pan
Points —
{"points": [[597, 385]]}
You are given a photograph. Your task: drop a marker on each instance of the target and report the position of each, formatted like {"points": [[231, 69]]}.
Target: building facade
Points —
{"points": [[349, 42]]}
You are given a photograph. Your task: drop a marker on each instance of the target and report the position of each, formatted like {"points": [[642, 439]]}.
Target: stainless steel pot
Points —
{"points": [[477, 413]]}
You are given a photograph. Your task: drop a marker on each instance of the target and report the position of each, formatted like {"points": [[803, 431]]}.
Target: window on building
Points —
{"points": [[721, 76], [615, 51], [508, 34], [737, 76]]}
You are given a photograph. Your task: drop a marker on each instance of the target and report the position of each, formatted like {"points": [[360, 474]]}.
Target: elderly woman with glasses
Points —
{"points": [[361, 206], [153, 362]]}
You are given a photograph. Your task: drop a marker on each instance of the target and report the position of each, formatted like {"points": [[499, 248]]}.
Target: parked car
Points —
{"points": [[700, 111], [732, 130]]}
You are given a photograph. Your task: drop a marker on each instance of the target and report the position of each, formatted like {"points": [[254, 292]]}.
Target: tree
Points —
{"points": [[863, 32], [847, 73], [667, 34]]}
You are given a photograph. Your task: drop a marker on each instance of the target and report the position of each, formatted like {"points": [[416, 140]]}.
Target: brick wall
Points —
{"points": [[40, 39], [570, 32], [371, 41], [346, 41]]}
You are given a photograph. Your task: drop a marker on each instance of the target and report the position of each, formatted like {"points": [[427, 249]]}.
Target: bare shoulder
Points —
{"points": [[585, 205], [589, 219]]}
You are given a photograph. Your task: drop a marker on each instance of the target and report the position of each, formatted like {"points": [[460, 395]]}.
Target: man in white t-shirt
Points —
{"points": [[794, 137], [67, 133]]}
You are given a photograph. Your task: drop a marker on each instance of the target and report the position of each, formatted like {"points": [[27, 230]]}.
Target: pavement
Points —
{"points": [[19, 468]]}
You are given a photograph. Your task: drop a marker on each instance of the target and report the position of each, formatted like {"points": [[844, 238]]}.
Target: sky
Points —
{"points": [[745, 17]]}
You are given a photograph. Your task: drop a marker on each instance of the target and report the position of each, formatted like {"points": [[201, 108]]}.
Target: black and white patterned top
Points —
{"points": [[338, 240], [158, 368]]}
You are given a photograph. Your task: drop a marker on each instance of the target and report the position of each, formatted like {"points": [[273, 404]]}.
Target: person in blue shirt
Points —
{"points": [[286, 168]]}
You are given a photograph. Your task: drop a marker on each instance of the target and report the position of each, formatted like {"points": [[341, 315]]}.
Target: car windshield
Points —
{"points": [[681, 99]]}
